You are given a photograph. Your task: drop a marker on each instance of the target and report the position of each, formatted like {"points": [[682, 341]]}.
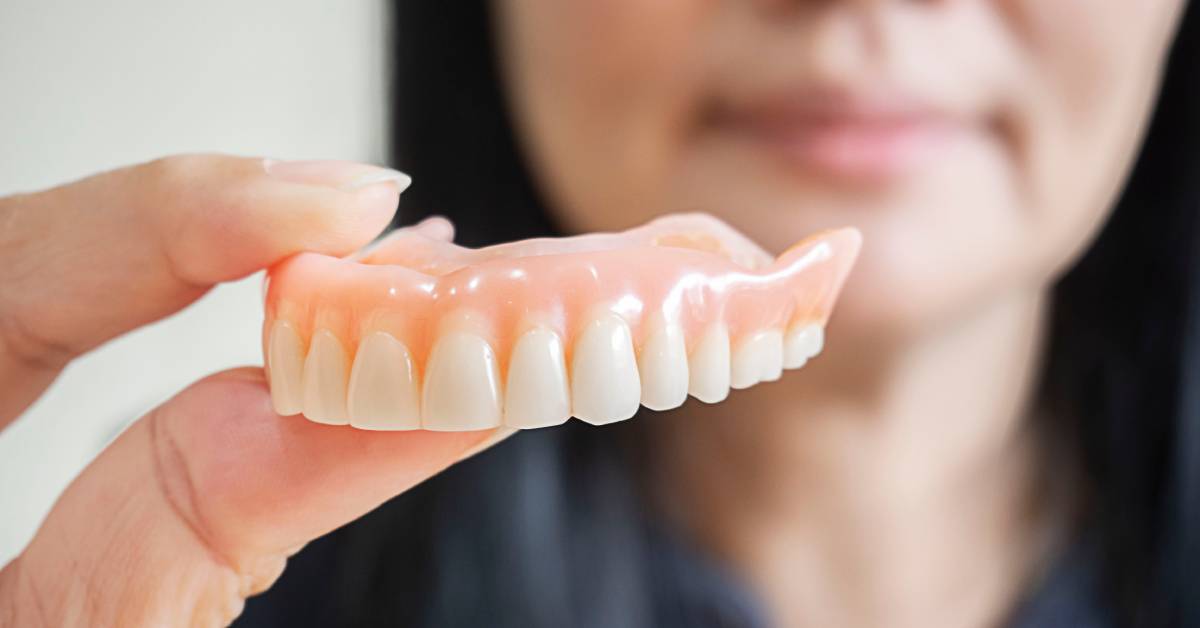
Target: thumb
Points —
{"points": [[198, 505]]}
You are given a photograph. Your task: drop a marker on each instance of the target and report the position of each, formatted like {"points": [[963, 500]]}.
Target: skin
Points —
{"points": [[198, 504], [849, 494]]}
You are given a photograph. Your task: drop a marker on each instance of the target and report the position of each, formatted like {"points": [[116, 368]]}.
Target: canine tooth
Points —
{"points": [[605, 385], [462, 385], [536, 393], [325, 380], [663, 367], [285, 360], [802, 343], [383, 394], [757, 359], [708, 366]]}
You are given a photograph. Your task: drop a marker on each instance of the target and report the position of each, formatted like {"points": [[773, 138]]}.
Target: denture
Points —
{"points": [[420, 333]]}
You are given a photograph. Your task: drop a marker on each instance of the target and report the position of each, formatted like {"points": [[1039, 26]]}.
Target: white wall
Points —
{"points": [[85, 86]]}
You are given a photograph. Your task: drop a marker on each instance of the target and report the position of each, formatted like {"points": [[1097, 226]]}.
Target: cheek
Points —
{"points": [[601, 92], [1075, 83], [1092, 77]]}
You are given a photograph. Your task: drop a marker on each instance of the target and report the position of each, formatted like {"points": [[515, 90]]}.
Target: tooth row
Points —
{"points": [[462, 389]]}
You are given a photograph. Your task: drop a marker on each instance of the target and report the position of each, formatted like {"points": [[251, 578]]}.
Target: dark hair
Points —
{"points": [[1123, 367], [545, 530], [451, 126]]}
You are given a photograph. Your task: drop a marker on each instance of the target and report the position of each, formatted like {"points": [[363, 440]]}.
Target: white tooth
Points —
{"points": [[817, 343], [325, 380], [795, 352], [757, 359], [802, 343], [383, 391], [663, 366], [462, 385], [605, 386], [536, 393], [771, 364], [285, 361], [708, 367]]}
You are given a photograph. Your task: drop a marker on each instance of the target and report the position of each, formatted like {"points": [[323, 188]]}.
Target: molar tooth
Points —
{"points": [[817, 343], [462, 385], [803, 342], [605, 385], [757, 359], [285, 361], [383, 386], [325, 380], [663, 365], [771, 366], [708, 367], [536, 393]]}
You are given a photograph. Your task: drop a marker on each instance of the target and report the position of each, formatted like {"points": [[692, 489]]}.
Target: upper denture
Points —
{"points": [[664, 286]]}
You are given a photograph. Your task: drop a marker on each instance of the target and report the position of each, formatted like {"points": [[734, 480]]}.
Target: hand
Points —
{"points": [[198, 504]]}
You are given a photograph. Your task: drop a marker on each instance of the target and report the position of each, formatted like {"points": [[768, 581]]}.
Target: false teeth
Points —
{"points": [[758, 359], [418, 333], [462, 389], [803, 342], [383, 392], [325, 380], [605, 385], [285, 362], [663, 366], [709, 366], [537, 394], [462, 385]]}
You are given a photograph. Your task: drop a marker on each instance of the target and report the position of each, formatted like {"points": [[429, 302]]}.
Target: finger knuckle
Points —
{"points": [[177, 170]]}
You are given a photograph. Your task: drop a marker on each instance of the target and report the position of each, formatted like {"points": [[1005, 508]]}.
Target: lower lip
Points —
{"points": [[855, 148]]}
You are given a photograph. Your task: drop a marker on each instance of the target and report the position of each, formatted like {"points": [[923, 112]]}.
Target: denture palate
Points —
{"points": [[417, 333]]}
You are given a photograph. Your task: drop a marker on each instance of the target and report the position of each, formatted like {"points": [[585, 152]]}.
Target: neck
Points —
{"points": [[875, 486]]}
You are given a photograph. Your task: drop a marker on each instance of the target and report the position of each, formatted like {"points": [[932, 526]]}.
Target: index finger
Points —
{"points": [[87, 261]]}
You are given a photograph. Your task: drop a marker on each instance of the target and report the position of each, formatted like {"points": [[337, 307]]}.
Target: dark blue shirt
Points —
{"points": [[549, 530]]}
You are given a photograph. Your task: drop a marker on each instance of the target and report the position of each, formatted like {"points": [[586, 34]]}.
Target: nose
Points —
{"points": [[836, 42]]}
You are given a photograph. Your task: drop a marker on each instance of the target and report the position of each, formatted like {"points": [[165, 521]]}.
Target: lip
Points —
{"points": [[851, 136]]}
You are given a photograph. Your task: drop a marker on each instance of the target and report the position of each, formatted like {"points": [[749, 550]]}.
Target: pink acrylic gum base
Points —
{"points": [[498, 294]]}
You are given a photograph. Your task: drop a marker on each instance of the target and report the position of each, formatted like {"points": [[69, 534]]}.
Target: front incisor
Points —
{"points": [[537, 394], [605, 386], [383, 392], [462, 385]]}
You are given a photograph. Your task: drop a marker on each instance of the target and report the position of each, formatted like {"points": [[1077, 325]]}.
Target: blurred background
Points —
{"points": [[82, 95]]}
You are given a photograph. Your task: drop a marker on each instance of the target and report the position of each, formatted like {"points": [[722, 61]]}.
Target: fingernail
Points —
{"points": [[347, 176]]}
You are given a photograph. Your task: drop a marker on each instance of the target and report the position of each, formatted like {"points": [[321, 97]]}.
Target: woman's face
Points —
{"points": [[977, 144]]}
